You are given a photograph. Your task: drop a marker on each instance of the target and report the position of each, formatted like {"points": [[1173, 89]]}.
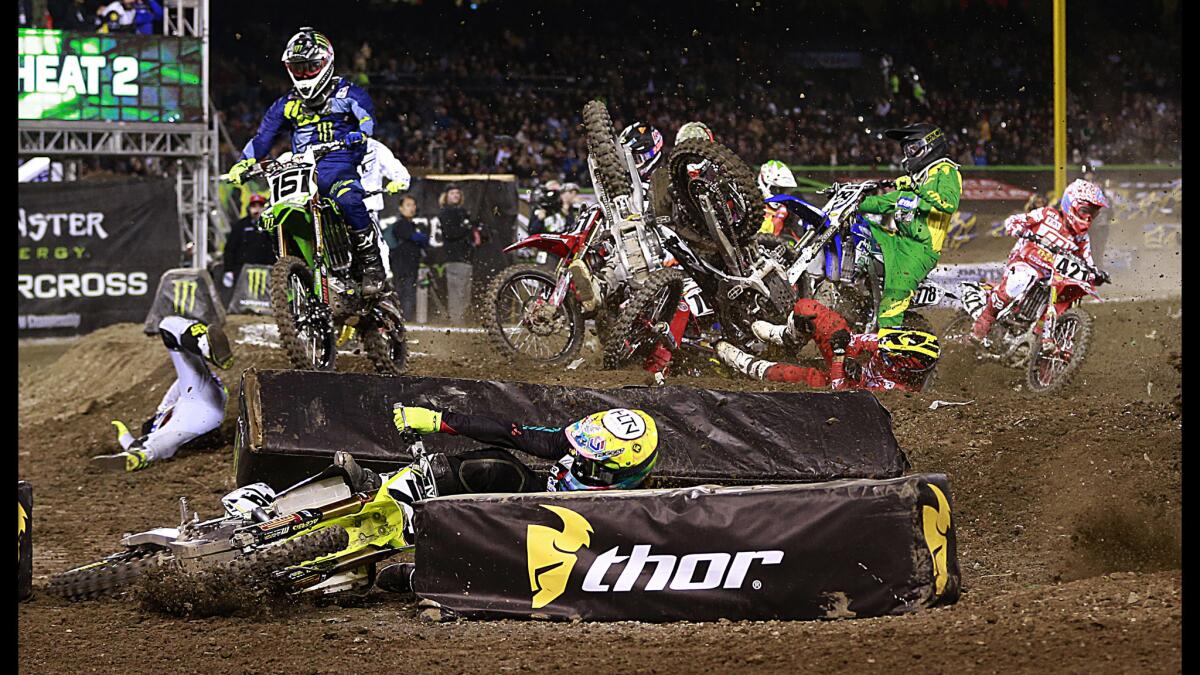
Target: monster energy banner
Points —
{"points": [[845, 549], [88, 253], [24, 540], [293, 421], [251, 292], [186, 292]]}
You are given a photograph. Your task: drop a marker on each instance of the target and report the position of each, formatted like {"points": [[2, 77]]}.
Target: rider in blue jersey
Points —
{"points": [[321, 108]]}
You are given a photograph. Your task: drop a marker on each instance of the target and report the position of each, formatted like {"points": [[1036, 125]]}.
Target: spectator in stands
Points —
{"points": [[248, 243], [406, 243], [132, 16], [458, 239]]}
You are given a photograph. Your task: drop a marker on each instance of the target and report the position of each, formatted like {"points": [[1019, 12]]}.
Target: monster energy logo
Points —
{"points": [[256, 281], [183, 295]]}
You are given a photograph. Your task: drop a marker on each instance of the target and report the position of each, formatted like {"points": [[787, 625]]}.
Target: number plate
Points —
{"points": [[291, 185], [1070, 268], [926, 295]]}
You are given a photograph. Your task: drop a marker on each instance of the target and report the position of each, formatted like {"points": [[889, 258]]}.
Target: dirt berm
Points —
{"points": [[1067, 511]]}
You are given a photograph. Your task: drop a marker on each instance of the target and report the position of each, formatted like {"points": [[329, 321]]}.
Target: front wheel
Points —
{"points": [[384, 341], [1050, 371], [109, 576], [638, 328], [521, 321], [304, 324]]}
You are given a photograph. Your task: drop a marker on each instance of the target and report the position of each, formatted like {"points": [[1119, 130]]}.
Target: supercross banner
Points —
{"points": [[293, 422], [854, 548], [89, 254], [251, 292]]}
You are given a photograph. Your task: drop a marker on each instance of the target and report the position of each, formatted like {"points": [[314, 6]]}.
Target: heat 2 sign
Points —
{"points": [[88, 77]]}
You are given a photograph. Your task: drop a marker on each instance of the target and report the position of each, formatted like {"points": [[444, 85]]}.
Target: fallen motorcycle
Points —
{"points": [[1043, 329], [323, 535]]}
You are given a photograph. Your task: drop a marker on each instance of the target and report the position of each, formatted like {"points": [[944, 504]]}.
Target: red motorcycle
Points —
{"points": [[541, 314]]}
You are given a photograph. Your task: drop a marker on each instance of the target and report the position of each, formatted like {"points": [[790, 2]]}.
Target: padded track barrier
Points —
{"points": [[292, 422], [843, 549], [251, 291], [186, 292], [24, 540]]}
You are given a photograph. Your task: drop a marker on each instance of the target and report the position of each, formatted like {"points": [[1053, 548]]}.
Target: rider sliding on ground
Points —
{"points": [[922, 204], [322, 108]]}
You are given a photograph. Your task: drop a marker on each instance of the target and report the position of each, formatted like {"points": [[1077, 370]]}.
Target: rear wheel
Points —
{"points": [[1050, 371], [699, 167], [309, 546], [521, 321], [384, 341], [638, 328], [303, 320]]}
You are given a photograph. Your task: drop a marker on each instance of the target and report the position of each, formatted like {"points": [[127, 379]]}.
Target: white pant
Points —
{"points": [[1017, 278]]}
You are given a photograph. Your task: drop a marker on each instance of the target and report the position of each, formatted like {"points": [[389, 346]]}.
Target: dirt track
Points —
{"points": [[1068, 521]]}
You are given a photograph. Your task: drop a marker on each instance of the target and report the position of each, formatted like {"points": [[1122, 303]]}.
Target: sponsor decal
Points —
{"points": [[552, 555], [936, 525], [22, 519], [35, 226], [183, 295], [256, 281], [87, 285]]}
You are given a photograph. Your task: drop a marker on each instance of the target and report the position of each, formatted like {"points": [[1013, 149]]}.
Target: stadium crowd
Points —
{"points": [[458, 91]]}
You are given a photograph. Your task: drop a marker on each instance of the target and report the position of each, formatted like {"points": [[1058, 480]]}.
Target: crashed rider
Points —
{"points": [[894, 359], [924, 201], [322, 108], [1065, 226], [193, 406], [774, 177], [612, 449]]}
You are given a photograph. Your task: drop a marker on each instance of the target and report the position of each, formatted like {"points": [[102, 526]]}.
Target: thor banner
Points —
{"points": [[292, 422], [89, 254], [844, 549]]}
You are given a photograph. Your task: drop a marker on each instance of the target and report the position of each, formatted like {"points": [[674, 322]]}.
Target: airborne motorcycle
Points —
{"points": [[323, 535], [820, 266], [1048, 307], [315, 295]]}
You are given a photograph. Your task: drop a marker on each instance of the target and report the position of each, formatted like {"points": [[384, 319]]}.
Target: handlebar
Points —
{"points": [[1100, 275], [834, 188], [318, 150]]}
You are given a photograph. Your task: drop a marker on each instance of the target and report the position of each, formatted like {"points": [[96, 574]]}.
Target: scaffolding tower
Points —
{"points": [[192, 146]]}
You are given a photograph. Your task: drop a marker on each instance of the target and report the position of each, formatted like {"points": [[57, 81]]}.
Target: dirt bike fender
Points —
{"points": [[560, 245], [807, 212]]}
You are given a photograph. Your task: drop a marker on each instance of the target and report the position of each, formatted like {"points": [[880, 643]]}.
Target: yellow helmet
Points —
{"points": [[612, 449], [910, 355]]}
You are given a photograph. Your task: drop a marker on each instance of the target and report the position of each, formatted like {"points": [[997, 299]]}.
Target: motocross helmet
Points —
{"points": [[908, 355], [197, 338], [694, 130], [611, 449], [646, 143], [308, 58], [1081, 203], [922, 144], [774, 175]]}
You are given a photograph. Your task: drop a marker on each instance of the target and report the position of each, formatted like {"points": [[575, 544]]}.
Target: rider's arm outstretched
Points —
{"points": [[545, 442]]}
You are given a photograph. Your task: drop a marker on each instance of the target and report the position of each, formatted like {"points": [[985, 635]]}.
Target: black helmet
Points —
{"points": [[922, 143], [646, 143]]}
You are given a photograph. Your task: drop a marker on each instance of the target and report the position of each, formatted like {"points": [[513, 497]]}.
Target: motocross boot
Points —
{"points": [[771, 333], [366, 253], [396, 578], [983, 325], [361, 478], [134, 459], [742, 362]]}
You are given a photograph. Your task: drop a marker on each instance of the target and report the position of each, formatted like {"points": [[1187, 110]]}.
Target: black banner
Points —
{"points": [[251, 292], [857, 548], [295, 420], [89, 253], [491, 204], [24, 540], [186, 292]]}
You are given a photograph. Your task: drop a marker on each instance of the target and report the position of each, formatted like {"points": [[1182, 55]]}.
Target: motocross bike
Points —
{"points": [[822, 257], [1043, 330], [315, 296], [541, 315], [713, 240], [323, 535]]}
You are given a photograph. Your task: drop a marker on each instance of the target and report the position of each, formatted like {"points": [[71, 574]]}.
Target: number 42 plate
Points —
{"points": [[1070, 268]]}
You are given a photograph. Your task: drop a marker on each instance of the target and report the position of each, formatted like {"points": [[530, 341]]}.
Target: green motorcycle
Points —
{"points": [[314, 289], [323, 535]]}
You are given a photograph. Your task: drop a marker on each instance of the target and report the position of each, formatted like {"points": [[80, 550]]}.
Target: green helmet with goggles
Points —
{"points": [[615, 448]]}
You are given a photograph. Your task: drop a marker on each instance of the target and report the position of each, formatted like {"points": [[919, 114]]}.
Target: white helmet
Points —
{"points": [[308, 58], [774, 174], [694, 130]]}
